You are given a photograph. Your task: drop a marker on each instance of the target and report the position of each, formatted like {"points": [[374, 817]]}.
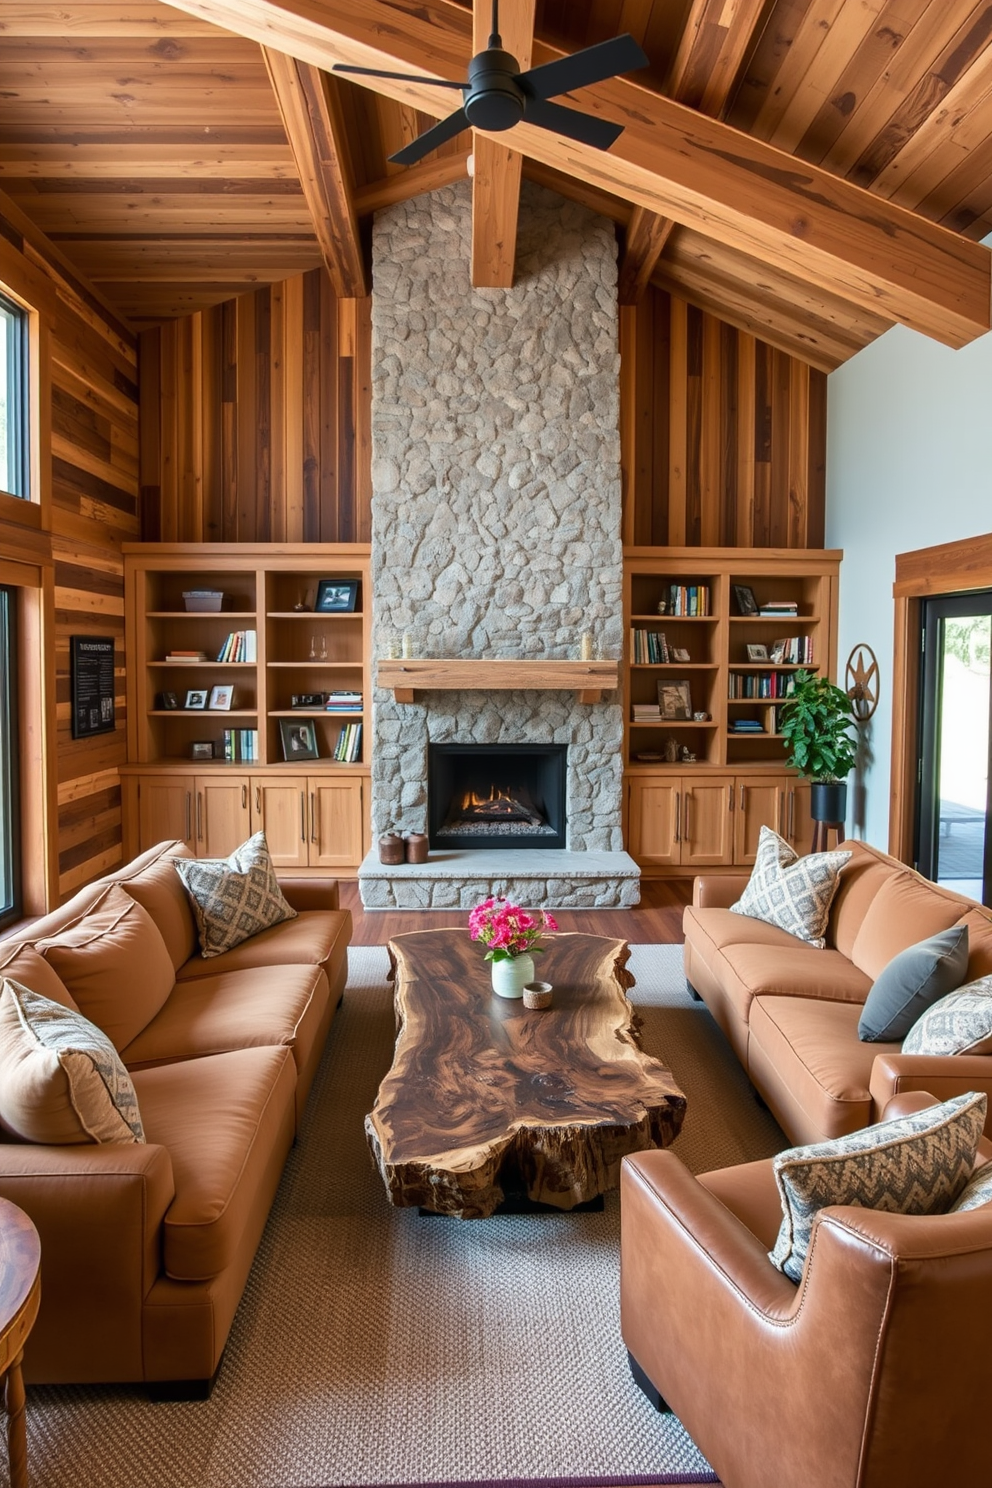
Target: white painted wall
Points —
{"points": [[909, 465]]}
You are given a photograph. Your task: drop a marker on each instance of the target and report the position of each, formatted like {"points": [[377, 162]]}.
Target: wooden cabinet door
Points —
{"points": [[798, 820], [654, 814], [707, 821], [223, 816], [335, 816], [165, 810], [279, 808], [759, 801]]}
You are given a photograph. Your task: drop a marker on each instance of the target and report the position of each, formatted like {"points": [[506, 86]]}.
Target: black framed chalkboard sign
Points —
{"points": [[92, 663]]}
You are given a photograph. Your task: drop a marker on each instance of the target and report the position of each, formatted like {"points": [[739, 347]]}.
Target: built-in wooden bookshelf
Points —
{"points": [[699, 788], [181, 779]]}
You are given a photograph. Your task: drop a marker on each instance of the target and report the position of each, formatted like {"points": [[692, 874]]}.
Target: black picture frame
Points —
{"points": [[336, 596], [744, 599], [298, 739], [196, 698], [91, 662], [201, 749], [167, 701]]}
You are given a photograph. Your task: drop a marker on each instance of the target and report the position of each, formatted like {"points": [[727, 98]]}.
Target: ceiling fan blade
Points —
{"points": [[593, 65], [418, 148], [584, 128], [402, 77]]}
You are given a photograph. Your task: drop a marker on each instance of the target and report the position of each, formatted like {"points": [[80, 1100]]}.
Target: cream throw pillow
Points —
{"points": [[960, 1023], [234, 898], [61, 1080], [791, 892]]}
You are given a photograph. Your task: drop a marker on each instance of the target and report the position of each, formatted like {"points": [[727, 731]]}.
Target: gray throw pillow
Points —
{"points": [[912, 982], [234, 898], [917, 1164]]}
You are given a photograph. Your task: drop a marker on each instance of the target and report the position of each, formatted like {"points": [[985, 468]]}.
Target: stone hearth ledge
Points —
{"points": [[536, 878]]}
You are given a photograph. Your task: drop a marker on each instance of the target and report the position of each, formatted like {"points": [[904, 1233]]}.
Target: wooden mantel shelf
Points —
{"points": [[590, 679]]}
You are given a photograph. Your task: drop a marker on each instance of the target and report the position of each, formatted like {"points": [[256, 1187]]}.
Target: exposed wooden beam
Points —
{"points": [[670, 159], [429, 175], [714, 44], [311, 113], [497, 168]]}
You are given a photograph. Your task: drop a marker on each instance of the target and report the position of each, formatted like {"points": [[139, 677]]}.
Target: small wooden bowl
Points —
{"points": [[537, 995]]}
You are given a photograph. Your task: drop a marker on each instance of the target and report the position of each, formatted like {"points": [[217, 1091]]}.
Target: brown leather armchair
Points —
{"points": [[874, 1371]]}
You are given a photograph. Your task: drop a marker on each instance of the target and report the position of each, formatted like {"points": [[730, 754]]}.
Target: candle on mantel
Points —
{"points": [[407, 643], [585, 653]]}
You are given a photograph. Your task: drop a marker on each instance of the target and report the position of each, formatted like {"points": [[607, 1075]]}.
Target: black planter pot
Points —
{"points": [[828, 800]]}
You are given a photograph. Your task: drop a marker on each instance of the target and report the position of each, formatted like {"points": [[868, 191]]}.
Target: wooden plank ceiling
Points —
{"points": [[808, 170]]}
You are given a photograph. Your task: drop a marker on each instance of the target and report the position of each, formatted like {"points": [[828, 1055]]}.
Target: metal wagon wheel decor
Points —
{"points": [[861, 681]]}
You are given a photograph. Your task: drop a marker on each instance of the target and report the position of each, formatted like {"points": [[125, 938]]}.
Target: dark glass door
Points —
{"points": [[954, 819]]}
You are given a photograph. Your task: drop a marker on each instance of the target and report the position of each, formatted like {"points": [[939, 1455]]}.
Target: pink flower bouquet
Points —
{"points": [[507, 929]]}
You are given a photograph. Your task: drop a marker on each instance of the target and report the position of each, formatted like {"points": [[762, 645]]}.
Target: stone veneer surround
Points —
{"points": [[496, 490]]}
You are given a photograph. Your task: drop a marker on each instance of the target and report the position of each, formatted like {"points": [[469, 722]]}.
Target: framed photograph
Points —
{"points": [[299, 740], [744, 600], [201, 749], [167, 701], [757, 653], [222, 697], [196, 698], [336, 596], [778, 651], [675, 701]]}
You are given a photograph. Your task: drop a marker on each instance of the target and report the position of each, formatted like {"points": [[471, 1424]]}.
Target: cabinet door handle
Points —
{"points": [[258, 801], [791, 833], [303, 816], [199, 816], [189, 816], [244, 798], [730, 796], [678, 816], [313, 817], [685, 834], [742, 795]]}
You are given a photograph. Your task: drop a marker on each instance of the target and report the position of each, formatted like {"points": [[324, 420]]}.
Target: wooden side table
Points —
{"points": [[20, 1295]]}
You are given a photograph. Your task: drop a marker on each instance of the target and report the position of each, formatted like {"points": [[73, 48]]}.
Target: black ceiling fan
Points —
{"points": [[498, 95]]}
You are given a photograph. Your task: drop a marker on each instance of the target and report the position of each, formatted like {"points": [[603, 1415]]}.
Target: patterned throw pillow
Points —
{"points": [[916, 1164], [61, 1080], [234, 898], [912, 982], [791, 892], [976, 1192], [960, 1023]]}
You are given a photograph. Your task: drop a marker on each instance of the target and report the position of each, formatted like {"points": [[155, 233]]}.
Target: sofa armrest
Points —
{"points": [[718, 890], [311, 893], [911, 1101], [942, 1075]]}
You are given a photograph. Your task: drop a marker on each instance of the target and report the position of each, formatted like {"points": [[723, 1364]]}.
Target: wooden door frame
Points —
{"points": [[949, 568]]}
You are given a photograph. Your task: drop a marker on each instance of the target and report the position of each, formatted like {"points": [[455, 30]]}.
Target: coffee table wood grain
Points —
{"points": [[486, 1098]]}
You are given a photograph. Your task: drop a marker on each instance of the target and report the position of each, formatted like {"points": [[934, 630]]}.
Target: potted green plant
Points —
{"points": [[816, 724]]}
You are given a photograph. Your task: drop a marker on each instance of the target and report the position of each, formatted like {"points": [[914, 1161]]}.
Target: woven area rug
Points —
{"points": [[375, 1347]]}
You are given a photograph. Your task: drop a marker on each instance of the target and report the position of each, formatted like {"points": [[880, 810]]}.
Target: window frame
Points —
{"points": [[19, 408], [10, 729]]}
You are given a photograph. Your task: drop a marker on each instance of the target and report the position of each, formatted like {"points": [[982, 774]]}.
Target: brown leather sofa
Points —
{"points": [[791, 1011], [146, 1248], [872, 1372]]}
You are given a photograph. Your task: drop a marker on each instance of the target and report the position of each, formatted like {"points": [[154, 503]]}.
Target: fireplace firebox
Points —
{"points": [[496, 795]]}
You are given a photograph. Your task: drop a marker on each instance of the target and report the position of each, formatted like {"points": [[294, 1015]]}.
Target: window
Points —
{"points": [[10, 888], [13, 399]]}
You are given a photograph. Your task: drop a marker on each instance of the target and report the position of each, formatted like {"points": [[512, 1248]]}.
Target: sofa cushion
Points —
{"points": [[979, 923], [913, 981], [714, 929], [307, 940], [159, 890], [976, 1193], [916, 1164], [791, 892], [61, 1082], [960, 1023], [114, 963], [227, 1123], [906, 909], [24, 964], [234, 898], [234, 1010], [861, 880], [795, 970], [811, 1051]]}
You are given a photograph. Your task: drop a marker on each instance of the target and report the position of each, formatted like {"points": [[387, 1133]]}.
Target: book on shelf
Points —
{"points": [[343, 701], [185, 656], [349, 745], [649, 647], [646, 712], [241, 645], [769, 685], [792, 651], [688, 600], [746, 726], [781, 607], [241, 745]]}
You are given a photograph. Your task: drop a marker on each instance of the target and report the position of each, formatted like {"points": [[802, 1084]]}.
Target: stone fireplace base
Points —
{"points": [[534, 877]]}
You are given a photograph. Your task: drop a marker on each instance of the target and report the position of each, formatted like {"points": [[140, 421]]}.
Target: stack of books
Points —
{"points": [[645, 712], [343, 701], [241, 645], [349, 746], [186, 657], [648, 646], [241, 744], [781, 607], [746, 726]]}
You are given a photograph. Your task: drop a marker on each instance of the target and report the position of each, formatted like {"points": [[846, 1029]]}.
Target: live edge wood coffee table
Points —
{"points": [[486, 1098]]}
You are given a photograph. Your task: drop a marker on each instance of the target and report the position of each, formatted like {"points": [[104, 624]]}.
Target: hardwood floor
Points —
{"points": [[657, 920]]}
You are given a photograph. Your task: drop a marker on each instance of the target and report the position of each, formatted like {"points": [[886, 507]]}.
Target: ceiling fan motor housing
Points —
{"points": [[493, 99]]}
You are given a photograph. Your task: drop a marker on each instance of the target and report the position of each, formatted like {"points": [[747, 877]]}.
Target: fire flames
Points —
{"points": [[499, 802]]}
